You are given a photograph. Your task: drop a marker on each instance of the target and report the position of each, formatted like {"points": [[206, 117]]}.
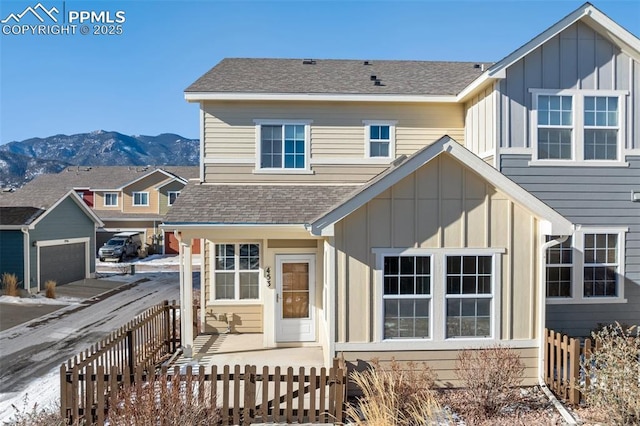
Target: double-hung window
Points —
{"points": [[469, 296], [237, 272], [587, 267], [283, 146], [379, 139], [407, 296], [140, 198], [577, 125], [111, 199]]}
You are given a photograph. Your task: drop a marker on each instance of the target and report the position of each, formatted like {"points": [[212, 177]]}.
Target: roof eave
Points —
{"points": [[332, 97]]}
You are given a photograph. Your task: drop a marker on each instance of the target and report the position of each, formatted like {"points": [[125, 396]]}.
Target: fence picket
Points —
{"points": [[236, 394]]}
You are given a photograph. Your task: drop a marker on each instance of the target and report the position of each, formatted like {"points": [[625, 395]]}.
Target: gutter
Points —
{"points": [[568, 418], [26, 276]]}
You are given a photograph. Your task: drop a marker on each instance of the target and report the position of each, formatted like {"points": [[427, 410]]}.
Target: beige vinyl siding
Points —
{"points": [[98, 201], [480, 130], [442, 362], [146, 184], [245, 318], [441, 205], [337, 131], [163, 206], [244, 173]]}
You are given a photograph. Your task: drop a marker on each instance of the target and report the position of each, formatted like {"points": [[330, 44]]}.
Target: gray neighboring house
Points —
{"points": [[47, 236], [560, 116]]}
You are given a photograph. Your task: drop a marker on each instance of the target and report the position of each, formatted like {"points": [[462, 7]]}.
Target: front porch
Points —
{"points": [[248, 349]]}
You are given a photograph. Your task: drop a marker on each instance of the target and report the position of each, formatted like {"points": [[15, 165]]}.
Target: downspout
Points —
{"points": [[542, 315], [27, 259]]}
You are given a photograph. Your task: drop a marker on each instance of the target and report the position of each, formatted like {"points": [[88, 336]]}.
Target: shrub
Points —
{"points": [[34, 415], [491, 377], [614, 373], [50, 289], [10, 284], [164, 400], [395, 396]]}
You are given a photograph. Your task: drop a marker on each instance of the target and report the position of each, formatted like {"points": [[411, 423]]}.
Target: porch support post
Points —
{"points": [[186, 296]]}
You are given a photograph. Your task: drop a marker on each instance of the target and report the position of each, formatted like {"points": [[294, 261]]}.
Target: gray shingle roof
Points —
{"points": [[254, 204], [117, 214], [18, 215], [334, 76], [47, 189]]}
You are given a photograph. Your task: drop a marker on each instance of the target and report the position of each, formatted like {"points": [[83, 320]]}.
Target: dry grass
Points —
{"points": [[614, 372], [165, 400], [491, 377], [10, 284], [34, 415], [395, 396], [50, 289]]}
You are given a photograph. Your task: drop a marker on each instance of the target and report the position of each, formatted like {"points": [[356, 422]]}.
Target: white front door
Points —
{"points": [[295, 294]]}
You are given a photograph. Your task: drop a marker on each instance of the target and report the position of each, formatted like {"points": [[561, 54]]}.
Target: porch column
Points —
{"points": [[186, 298]]}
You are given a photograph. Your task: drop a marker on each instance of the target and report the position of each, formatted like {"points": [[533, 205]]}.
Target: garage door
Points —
{"points": [[172, 246], [63, 264]]}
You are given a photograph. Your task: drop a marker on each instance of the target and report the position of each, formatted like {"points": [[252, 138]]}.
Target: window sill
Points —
{"points": [[231, 303], [430, 344], [571, 163], [283, 172], [585, 301]]}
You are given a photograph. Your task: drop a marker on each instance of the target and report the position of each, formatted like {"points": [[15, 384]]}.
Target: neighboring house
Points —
{"points": [[47, 236], [125, 198], [409, 209]]}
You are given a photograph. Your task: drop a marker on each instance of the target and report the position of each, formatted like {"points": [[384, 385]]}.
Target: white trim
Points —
{"points": [[279, 335], [79, 202], [104, 199], [60, 242], [515, 151], [577, 277], [133, 198], [283, 171], [347, 161], [167, 174], [243, 96], [392, 138], [229, 160], [307, 145], [427, 345], [169, 203], [168, 181], [443, 251], [236, 274], [202, 142], [574, 163]]}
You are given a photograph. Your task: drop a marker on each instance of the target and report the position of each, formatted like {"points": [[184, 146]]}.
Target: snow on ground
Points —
{"points": [[39, 300]]}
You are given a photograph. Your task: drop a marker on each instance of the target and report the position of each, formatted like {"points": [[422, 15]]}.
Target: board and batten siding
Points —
{"points": [[12, 254], [67, 220], [441, 205], [480, 123], [589, 196], [577, 58], [337, 134]]}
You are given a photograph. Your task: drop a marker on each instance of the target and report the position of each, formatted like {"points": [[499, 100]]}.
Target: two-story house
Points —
{"points": [[410, 209]]}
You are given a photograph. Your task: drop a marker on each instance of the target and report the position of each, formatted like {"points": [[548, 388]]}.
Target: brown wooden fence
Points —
{"points": [[562, 372], [242, 395]]}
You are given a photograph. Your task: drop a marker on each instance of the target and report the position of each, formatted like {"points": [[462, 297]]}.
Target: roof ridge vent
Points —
{"points": [[377, 82], [308, 62], [373, 77]]}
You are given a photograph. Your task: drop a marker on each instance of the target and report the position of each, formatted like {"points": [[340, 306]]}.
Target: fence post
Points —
{"points": [[131, 353], [63, 391], [174, 326], [574, 372], [167, 324]]}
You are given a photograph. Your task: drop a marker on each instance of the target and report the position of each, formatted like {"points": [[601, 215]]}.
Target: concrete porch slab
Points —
{"points": [[243, 349]]}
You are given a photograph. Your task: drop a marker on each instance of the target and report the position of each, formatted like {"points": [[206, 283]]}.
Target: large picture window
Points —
{"points": [[237, 272]]}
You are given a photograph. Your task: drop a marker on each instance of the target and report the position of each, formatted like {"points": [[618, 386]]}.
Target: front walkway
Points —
{"points": [[243, 349]]}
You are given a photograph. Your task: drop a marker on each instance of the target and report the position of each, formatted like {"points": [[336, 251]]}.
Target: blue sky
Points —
{"points": [[133, 83]]}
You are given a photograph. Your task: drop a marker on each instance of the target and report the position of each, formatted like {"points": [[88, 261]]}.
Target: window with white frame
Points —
{"points": [[379, 139], [283, 146], [172, 196], [140, 198], [577, 125], [559, 268], [406, 296], [111, 199], [237, 272], [587, 267], [469, 296]]}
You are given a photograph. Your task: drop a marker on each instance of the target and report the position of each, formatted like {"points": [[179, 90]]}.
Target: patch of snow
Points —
{"points": [[39, 300]]}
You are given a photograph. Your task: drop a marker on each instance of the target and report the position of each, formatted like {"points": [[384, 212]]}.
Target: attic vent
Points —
{"points": [[308, 62], [366, 63], [480, 66], [377, 82], [373, 77]]}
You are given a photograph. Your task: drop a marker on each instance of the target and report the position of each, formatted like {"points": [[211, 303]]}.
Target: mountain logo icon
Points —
{"points": [[38, 11]]}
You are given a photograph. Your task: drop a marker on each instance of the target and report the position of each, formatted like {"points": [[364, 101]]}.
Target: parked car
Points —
{"points": [[121, 246]]}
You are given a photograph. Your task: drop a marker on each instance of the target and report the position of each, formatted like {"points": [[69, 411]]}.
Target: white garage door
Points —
{"points": [[63, 263]]}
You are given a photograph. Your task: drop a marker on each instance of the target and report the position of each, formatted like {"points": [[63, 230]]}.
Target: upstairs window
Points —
{"points": [[379, 139], [283, 146], [580, 126], [111, 199], [140, 198], [172, 196]]}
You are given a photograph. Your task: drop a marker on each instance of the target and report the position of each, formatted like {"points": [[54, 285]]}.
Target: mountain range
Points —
{"points": [[22, 161]]}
